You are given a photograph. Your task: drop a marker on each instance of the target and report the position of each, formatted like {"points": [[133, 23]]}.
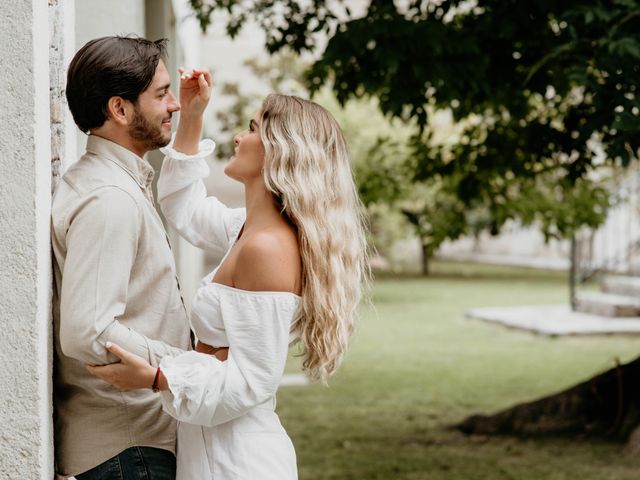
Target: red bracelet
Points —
{"points": [[154, 387]]}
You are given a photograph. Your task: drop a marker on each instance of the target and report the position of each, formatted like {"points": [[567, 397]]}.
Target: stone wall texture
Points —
{"points": [[25, 291], [38, 141]]}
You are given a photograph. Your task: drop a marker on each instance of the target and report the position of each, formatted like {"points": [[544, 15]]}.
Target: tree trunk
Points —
{"points": [[426, 254], [573, 270], [607, 405]]}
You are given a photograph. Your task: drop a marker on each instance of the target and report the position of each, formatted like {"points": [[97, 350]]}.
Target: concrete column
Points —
{"points": [[25, 289]]}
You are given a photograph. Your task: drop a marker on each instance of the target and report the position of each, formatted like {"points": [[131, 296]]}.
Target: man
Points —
{"points": [[114, 272]]}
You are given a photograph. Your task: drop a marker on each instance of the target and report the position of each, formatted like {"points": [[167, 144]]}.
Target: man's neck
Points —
{"points": [[122, 139]]}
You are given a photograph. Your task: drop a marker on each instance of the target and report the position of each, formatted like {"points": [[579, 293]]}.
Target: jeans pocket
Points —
{"points": [[159, 464], [135, 463], [109, 470]]}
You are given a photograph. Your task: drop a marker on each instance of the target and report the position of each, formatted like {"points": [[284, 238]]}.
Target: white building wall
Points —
{"points": [[100, 18], [516, 245], [25, 291]]}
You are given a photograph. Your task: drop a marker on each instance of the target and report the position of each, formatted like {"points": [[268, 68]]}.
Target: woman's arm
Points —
{"points": [[202, 220], [195, 92], [133, 372]]}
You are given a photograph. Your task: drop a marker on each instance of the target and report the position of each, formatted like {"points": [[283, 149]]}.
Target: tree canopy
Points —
{"points": [[553, 82], [547, 92]]}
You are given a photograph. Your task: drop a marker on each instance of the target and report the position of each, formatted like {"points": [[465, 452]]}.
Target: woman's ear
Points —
{"points": [[119, 110]]}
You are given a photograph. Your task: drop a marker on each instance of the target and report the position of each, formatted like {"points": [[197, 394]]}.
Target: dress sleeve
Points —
{"points": [[206, 391], [203, 221]]}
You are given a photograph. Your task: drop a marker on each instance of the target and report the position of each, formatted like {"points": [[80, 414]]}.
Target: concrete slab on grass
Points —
{"points": [[556, 320]]}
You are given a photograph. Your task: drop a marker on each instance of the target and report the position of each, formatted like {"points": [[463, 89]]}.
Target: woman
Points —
{"points": [[293, 268]]}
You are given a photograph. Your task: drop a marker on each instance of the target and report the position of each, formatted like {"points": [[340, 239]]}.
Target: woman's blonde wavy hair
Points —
{"points": [[307, 169]]}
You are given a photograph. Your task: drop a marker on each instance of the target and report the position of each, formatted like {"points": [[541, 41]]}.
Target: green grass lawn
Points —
{"points": [[417, 365]]}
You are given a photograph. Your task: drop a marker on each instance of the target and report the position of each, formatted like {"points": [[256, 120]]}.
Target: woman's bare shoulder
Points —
{"points": [[269, 260]]}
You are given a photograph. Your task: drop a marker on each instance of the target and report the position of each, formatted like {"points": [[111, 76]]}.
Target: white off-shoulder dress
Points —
{"points": [[228, 428]]}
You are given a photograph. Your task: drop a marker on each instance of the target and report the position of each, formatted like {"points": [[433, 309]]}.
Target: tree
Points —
{"points": [[559, 77], [385, 176], [539, 85], [607, 405]]}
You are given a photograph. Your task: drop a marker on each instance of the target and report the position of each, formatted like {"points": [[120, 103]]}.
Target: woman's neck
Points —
{"points": [[261, 206]]}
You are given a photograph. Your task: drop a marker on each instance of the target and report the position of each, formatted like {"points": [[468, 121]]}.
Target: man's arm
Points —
{"points": [[102, 241]]}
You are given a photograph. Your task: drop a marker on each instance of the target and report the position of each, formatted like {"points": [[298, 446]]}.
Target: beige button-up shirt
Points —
{"points": [[115, 280]]}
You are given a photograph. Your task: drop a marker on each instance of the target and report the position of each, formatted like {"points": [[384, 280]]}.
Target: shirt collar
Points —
{"points": [[137, 167]]}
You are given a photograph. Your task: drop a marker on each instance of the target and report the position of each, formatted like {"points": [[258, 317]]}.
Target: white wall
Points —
{"points": [[25, 289], [100, 18], [516, 245]]}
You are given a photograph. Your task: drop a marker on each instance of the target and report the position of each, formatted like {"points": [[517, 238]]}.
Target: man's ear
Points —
{"points": [[119, 110]]}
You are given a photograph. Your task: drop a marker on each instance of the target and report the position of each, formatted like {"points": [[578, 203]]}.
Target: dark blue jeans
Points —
{"points": [[135, 463]]}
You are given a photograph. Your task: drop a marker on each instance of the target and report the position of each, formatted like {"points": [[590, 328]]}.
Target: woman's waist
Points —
{"points": [[210, 332], [259, 419]]}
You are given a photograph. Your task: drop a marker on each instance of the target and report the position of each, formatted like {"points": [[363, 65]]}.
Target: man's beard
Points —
{"points": [[149, 134]]}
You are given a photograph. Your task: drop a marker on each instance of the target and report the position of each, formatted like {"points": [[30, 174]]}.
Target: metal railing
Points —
{"points": [[614, 247]]}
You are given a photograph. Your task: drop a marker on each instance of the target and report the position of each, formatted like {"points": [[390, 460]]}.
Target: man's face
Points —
{"points": [[151, 124]]}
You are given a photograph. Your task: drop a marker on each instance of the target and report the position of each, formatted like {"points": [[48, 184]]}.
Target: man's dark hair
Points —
{"points": [[108, 67]]}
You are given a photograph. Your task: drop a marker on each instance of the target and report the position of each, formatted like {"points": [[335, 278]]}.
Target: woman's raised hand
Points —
{"points": [[195, 91], [131, 373]]}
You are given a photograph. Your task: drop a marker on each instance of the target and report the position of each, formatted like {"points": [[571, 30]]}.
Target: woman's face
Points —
{"points": [[246, 164]]}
